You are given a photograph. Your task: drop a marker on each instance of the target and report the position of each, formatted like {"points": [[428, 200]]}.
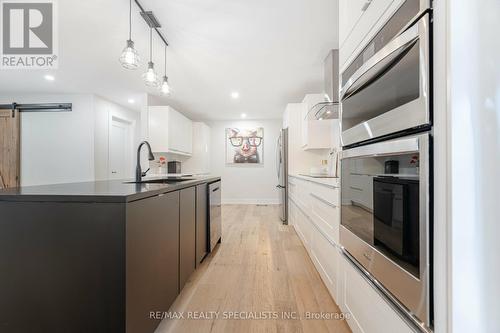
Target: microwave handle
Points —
{"points": [[379, 62]]}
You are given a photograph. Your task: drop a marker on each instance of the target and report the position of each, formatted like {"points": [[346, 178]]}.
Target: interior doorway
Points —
{"points": [[121, 137]]}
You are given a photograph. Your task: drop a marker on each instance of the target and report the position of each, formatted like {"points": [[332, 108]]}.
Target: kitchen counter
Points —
{"points": [[327, 181], [98, 191]]}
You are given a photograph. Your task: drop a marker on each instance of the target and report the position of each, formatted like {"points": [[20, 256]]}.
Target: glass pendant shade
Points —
{"points": [[165, 88], [130, 57], [150, 77]]}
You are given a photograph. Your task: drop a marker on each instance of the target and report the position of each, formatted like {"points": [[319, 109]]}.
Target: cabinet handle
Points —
{"points": [[215, 189], [322, 200], [356, 188]]}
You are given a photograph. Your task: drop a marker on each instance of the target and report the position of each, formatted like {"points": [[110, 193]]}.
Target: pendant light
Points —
{"points": [[165, 88], [130, 57], [150, 77]]}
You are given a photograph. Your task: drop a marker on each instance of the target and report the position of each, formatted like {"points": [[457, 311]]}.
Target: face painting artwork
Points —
{"points": [[244, 145]]}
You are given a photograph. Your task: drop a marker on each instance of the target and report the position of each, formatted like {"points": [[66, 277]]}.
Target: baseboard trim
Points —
{"points": [[250, 202]]}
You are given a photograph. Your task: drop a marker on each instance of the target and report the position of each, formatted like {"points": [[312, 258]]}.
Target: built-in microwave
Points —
{"points": [[386, 219], [385, 90]]}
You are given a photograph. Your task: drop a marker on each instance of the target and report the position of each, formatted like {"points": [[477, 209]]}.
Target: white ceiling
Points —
{"points": [[271, 52]]}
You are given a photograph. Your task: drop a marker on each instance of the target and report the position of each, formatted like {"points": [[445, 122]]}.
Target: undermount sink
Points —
{"points": [[162, 181]]}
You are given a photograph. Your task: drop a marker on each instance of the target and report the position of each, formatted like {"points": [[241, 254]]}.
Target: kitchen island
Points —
{"points": [[98, 256]]}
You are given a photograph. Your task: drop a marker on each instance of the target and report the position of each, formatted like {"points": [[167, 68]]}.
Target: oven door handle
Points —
{"points": [[380, 62], [387, 148]]}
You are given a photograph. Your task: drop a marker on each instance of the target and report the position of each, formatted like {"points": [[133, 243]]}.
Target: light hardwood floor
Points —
{"points": [[261, 268]]}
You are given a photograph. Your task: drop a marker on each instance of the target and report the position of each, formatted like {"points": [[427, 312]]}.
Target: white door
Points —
{"points": [[120, 149]]}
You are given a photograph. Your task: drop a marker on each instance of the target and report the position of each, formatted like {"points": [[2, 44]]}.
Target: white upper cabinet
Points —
{"points": [[359, 21], [158, 117], [349, 13], [199, 162], [170, 131], [180, 134]]}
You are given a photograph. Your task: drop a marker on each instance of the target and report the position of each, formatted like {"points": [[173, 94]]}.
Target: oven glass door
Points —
{"points": [[382, 208], [389, 92]]}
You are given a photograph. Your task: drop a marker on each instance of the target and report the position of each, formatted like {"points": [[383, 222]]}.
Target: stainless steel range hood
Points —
{"points": [[328, 109]]}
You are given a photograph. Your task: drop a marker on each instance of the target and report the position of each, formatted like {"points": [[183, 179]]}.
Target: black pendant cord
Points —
{"points": [[130, 21], [165, 64], [150, 44]]}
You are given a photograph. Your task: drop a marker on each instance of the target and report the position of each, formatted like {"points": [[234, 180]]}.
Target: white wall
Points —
{"points": [[103, 111], [474, 123], [56, 147], [66, 147], [246, 184]]}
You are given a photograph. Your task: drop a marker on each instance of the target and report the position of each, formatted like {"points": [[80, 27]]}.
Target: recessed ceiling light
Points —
{"points": [[131, 100], [235, 94], [49, 78], [243, 115]]}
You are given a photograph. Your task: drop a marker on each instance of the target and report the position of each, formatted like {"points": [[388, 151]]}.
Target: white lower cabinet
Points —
{"points": [[297, 221], [315, 216], [368, 311], [314, 212], [325, 258]]}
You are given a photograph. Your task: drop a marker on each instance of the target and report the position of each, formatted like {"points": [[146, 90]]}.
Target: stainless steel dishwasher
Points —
{"points": [[215, 214]]}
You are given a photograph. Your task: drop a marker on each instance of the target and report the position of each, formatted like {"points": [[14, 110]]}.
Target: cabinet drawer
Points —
{"points": [[292, 212], [325, 193], [326, 216], [306, 229], [325, 258], [299, 191], [292, 189]]}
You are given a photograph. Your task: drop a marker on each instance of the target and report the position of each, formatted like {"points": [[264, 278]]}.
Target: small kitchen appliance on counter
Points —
{"points": [[174, 167], [391, 167]]}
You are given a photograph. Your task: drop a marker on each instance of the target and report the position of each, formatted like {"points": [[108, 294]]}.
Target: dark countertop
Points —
{"points": [[98, 191]]}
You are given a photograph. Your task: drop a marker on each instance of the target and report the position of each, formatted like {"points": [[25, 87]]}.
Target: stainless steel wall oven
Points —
{"points": [[386, 164]]}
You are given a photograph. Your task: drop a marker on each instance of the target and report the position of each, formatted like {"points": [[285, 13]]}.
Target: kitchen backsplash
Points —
{"points": [[160, 164]]}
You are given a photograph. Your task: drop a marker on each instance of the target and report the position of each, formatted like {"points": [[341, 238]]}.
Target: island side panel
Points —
{"points": [[187, 235], [152, 260], [62, 267]]}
